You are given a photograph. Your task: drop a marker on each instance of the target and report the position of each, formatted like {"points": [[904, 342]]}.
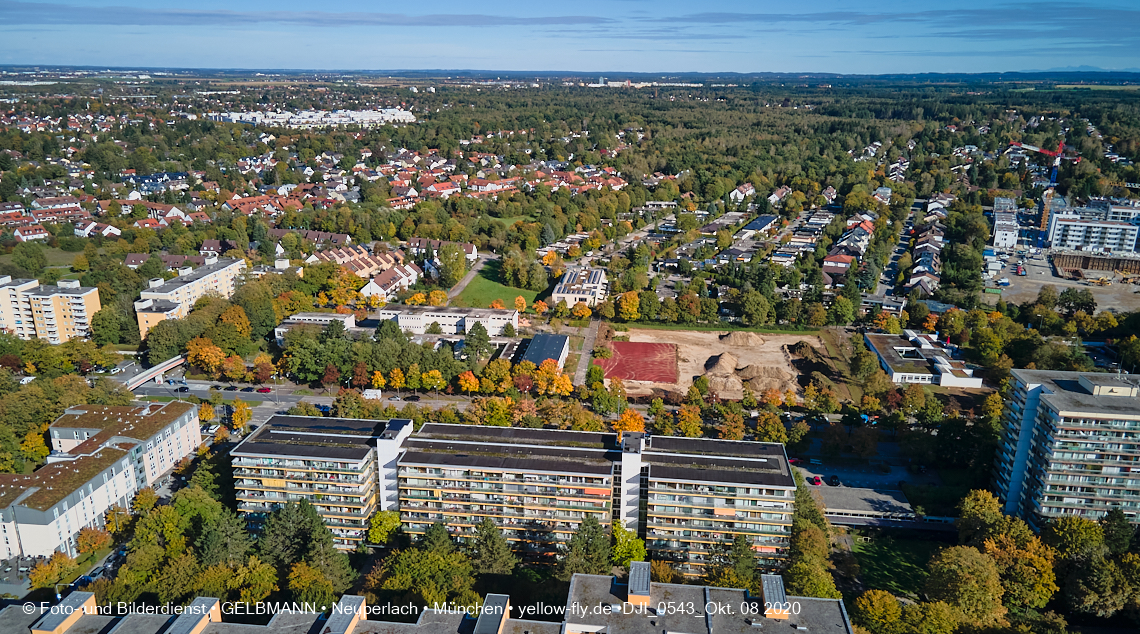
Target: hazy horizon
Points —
{"points": [[632, 36]]}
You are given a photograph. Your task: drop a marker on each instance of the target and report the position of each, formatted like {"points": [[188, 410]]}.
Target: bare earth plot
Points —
{"points": [[1118, 297], [730, 360]]}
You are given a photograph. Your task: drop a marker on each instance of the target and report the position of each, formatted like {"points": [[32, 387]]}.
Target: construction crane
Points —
{"points": [[1047, 199]]}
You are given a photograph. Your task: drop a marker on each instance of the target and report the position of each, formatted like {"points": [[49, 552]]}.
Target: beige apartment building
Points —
{"points": [[53, 313], [174, 298]]}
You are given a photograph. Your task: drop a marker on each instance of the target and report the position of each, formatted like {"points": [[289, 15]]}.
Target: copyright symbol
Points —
{"points": [[29, 608]]}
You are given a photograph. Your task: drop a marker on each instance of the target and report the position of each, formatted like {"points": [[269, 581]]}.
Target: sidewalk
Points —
{"points": [[587, 355]]}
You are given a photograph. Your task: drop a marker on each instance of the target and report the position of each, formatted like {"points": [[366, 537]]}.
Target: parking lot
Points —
{"points": [[867, 477], [1039, 272]]}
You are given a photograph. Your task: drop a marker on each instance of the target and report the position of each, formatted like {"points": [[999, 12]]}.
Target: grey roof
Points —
{"points": [[726, 461], [1068, 395], [589, 592], [158, 306], [772, 587], [188, 622], [494, 612], [341, 618], [859, 500], [44, 290], [193, 276], [639, 578], [53, 619], [313, 437], [545, 346], [521, 435], [404, 309]]}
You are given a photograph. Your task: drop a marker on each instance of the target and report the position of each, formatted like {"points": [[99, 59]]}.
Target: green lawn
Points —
{"points": [[55, 257], [507, 222], [892, 563], [484, 289]]}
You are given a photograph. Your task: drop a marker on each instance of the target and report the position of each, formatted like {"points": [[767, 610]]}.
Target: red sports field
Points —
{"points": [[637, 361]]}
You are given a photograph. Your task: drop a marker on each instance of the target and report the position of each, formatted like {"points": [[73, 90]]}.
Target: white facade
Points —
{"points": [[316, 319], [451, 320], [1005, 230], [1070, 231], [587, 285], [117, 450]]}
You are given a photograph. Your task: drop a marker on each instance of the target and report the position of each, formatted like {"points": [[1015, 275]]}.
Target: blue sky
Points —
{"points": [[667, 36]]}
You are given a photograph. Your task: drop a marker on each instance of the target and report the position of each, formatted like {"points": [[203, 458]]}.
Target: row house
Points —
{"points": [[67, 214], [30, 232], [419, 246], [316, 237], [89, 228], [925, 275], [389, 283], [358, 260]]}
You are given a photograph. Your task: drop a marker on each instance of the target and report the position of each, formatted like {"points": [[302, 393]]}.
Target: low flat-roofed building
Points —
{"points": [[920, 358], [545, 346], [331, 462], [452, 320], [587, 285], [856, 506], [348, 320]]}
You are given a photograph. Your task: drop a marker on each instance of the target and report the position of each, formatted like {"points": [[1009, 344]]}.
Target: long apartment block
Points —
{"points": [[55, 314], [174, 298], [1071, 445], [101, 456], [331, 462], [684, 496]]}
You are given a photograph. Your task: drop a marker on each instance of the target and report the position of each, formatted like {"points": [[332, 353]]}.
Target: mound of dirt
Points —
{"points": [[804, 350], [763, 372], [721, 365], [739, 338], [729, 386]]}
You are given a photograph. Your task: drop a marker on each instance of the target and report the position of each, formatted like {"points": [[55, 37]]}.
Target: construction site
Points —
{"points": [[1113, 280], [730, 361]]}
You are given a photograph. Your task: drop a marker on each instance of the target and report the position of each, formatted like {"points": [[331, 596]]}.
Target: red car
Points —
{"points": [[816, 480], [794, 460], [264, 390]]}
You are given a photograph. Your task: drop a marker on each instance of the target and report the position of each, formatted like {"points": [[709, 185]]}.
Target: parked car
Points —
{"points": [[395, 398], [413, 398], [247, 389], [833, 480], [96, 573], [264, 390], [231, 388], [816, 480]]}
